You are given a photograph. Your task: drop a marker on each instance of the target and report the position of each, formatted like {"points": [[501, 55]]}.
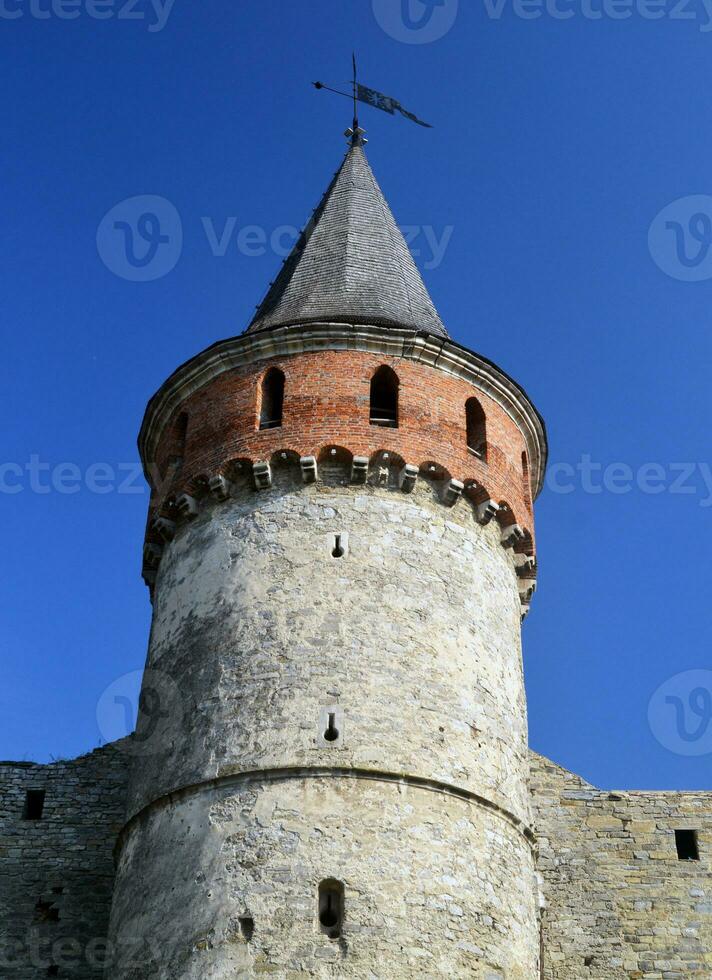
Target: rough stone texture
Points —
{"points": [[56, 874], [619, 905], [434, 885], [415, 635]]}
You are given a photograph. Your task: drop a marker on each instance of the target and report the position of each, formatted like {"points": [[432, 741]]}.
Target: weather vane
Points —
{"points": [[361, 93]]}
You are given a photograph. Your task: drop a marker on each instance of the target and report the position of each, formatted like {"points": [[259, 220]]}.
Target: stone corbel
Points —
{"points": [[453, 492], [524, 564], [219, 488], [408, 478], [512, 535], [359, 469], [152, 554], [262, 473], [527, 588], [164, 528], [309, 469], [187, 506], [486, 511]]}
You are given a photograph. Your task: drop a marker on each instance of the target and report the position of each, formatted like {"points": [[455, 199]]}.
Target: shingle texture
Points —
{"points": [[351, 263]]}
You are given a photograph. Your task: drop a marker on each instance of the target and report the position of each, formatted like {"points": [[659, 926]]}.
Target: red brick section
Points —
{"points": [[326, 404]]}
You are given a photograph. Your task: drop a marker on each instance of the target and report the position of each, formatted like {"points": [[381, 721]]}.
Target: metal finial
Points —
{"points": [[355, 136]]}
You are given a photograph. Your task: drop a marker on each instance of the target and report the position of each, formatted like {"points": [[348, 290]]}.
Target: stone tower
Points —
{"points": [[340, 552]]}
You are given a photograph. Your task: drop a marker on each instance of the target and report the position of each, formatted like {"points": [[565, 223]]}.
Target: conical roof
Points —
{"points": [[351, 263]]}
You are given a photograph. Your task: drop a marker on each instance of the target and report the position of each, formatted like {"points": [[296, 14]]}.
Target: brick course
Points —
{"points": [[326, 404]]}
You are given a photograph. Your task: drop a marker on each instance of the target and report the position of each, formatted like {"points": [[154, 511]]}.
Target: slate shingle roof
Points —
{"points": [[351, 263]]}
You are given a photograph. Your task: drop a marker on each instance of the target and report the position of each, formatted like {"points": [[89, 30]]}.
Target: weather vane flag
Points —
{"points": [[362, 93]]}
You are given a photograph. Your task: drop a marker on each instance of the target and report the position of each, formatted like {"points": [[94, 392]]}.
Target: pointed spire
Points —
{"points": [[351, 263]]}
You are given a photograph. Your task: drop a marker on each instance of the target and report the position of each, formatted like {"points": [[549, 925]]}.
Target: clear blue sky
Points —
{"points": [[556, 143]]}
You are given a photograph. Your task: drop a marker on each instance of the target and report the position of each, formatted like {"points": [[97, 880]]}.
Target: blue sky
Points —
{"points": [[556, 143]]}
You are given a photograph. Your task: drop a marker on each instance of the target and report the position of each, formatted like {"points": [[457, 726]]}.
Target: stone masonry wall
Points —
{"points": [[240, 805], [619, 904], [415, 632], [435, 886], [56, 873]]}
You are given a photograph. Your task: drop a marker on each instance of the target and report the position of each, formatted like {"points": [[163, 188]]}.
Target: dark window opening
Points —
{"points": [[272, 400], [588, 961], [247, 927], [34, 804], [46, 912], [332, 732], [527, 481], [331, 907], [178, 441], [338, 549], [476, 429], [687, 846], [384, 398], [53, 971], [181, 433], [58, 891]]}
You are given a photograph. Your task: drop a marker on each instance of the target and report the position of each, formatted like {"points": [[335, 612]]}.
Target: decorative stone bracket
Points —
{"points": [[309, 469], [262, 473]]}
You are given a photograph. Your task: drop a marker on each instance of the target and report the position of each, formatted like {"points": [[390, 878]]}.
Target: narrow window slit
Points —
{"points": [[476, 423], [247, 927], [338, 549], [384, 398], [272, 399], [332, 732], [331, 907]]}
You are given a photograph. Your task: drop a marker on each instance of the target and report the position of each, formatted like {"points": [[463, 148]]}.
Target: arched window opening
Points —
{"points": [[181, 433], [384, 398], [178, 441], [476, 429], [331, 907], [272, 399]]}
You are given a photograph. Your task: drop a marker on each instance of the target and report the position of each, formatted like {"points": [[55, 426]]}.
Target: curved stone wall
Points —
{"points": [[414, 633], [284, 614], [223, 883]]}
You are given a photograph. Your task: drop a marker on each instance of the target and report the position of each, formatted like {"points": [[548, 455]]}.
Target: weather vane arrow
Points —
{"points": [[361, 93]]}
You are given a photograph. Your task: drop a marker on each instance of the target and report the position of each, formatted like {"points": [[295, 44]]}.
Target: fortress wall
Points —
{"points": [[56, 873], [620, 905]]}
